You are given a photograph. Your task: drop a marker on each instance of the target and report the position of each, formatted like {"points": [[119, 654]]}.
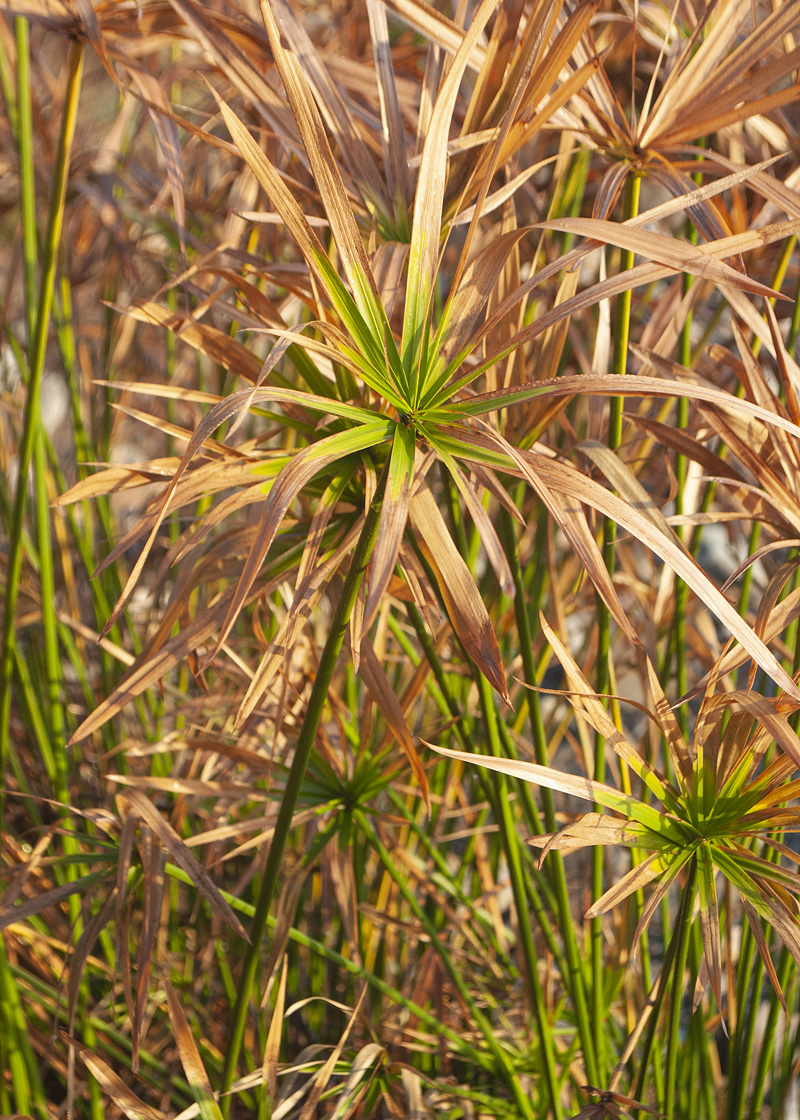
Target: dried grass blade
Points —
{"points": [[634, 385], [153, 664], [455, 330], [394, 140], [169, 143], [588, 830], [585, 699], [272, 1047], [29, 906], [368, 332], [328, 181], [427, 221], [482, 520], [324, 1075], [153, 861], [724, 118], [670, 873], [353, 1091], [215, 344], [394, 515], [634, 880], [435, 26], [570, 517], [763, 951], [113, 1085], [190, 1057], [279, 651], [390, 708], [670, 729], [332, 105], [462, 599], [133, 800], [241, 71], [709, 921], [658, 247], [285, 489], [573, 784], [562, 479]]}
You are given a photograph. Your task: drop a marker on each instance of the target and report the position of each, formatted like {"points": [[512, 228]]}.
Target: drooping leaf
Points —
{"points": [[462, 599]]}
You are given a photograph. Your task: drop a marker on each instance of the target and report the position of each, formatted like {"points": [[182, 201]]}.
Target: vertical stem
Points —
{"points": [[37, 353], [27, 190], [681, 955], [302, 753], [621, 335], [574, 977], [785, 969], [511, 845], [522, 1101]]}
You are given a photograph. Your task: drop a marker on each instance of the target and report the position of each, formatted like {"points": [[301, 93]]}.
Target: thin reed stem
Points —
{"points": [[521, 1099], [603, 672], [682, 934], [302, 753], [32, 405]]}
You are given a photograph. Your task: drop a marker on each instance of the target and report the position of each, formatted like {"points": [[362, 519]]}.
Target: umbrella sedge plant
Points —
{"points": [[722, 815], [417, 344], [422, 409]]}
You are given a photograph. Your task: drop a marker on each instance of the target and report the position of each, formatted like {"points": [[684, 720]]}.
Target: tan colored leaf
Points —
{"points": [[389, 706], [587, 831], [572, 520], [273, 1043], [634, 880], [682, 256], [302, 468], [393, 518], [325, 170], [563, 479], [394, 143], [585, 700], [462, 599], [461, 312], [135, 802], [325, 1073], [190, 1056], [427, 220], [757, 930], [112, 1085]]}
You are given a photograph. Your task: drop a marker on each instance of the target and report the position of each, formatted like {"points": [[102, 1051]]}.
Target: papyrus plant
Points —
{"points": [[721, 814]]}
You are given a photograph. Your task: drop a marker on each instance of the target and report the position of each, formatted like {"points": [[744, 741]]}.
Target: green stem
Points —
{"points": [[574, 976], [521, 1099], [785, 969], [511, 846], [31, 419], [682, 933], [603, 675], [302, 753], [663, 984]]}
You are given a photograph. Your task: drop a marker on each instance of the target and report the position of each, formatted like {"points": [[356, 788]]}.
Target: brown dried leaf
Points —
{"points": [[389, 706], [462, 599], [123, 1097], [132, 801]]}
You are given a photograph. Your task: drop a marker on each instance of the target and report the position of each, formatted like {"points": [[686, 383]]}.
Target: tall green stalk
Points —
{"points": [[511, 848], [603, 674], [574, 978], [682, 934], [302, 753], [16, 1050], [32, 405], [522, 1101]]}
